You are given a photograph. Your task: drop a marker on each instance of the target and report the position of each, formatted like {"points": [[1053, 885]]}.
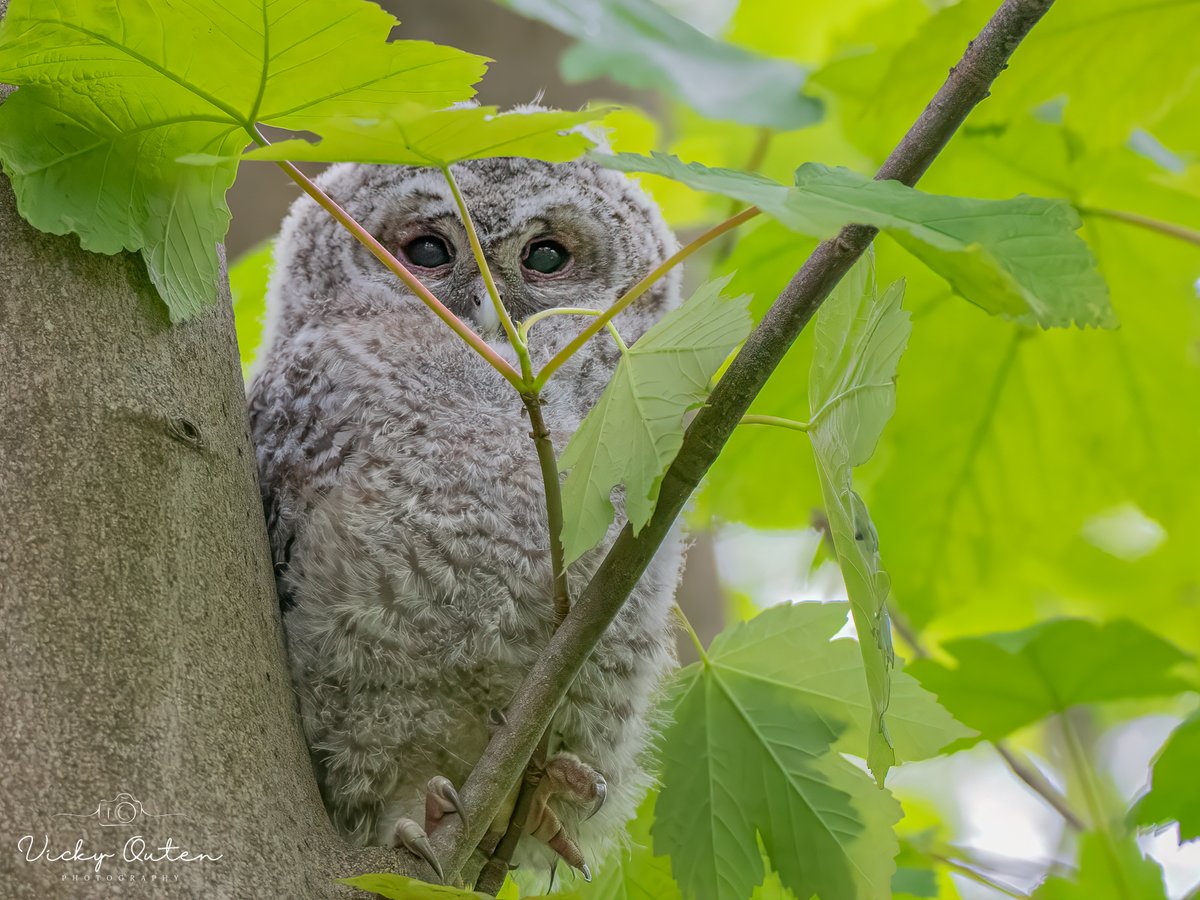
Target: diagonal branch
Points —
{"points": [[504, 761]]}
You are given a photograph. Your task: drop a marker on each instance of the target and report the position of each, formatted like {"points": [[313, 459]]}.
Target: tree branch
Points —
{"points": [[502, 764], [1039, 784]]}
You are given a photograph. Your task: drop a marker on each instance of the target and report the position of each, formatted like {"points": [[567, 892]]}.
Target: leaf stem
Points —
{"points": [[1100, 823], [637, 290], [758, 155], [568, 311], [777, 421], [1170, 229], [489, 280], [364, 237], [691, 633]]}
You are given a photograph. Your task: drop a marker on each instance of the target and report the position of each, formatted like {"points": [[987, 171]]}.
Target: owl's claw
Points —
{"points": [[601, 788], [570, 777], [441, 799], [412, 837]]}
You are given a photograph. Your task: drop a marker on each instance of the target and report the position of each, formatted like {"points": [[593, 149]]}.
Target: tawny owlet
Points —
{"points": [[405, 503]]}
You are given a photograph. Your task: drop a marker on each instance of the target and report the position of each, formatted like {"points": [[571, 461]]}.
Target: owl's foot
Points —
{"points": [[412, 837], [568, 777], [441, 799]]}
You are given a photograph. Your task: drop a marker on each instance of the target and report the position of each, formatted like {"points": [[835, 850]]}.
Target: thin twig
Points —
{"points": [[1028, 773], [975, 875], [491, 876], [908, 634], [554, 511], [499, 768], [1038, 783]]}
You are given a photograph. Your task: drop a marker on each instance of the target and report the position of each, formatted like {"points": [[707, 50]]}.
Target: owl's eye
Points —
{"points": [[428, 251], [545, 257]]}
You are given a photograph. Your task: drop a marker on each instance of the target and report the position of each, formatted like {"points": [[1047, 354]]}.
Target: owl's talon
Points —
{"points": [[441, 799], [412, 837], [601, 788], [566, 776]]}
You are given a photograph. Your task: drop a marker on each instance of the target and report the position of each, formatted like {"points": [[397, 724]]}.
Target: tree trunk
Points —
{"points": [[143, 650]]}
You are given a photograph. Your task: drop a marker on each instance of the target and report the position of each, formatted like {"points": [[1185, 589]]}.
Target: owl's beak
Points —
{"points": [[482, 310]]}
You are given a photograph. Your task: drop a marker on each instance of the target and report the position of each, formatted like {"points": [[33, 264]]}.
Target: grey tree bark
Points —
{"points": [[142, 645]]}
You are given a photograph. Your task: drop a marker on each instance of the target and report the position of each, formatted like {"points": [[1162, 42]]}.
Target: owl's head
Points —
{"points": [[571, 234]]}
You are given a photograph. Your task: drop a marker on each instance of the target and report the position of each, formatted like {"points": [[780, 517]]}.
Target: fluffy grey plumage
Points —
{"points": [[404, 499]]}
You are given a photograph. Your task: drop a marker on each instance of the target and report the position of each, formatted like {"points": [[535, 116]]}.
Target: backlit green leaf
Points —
{"points": [[749, 757], [112, 93], [1175, 787], [416, 136], [633, 872], [1002, 682], [1019, 258], [794, 645], [638, 43], [400, 887], [1109, 869], [636, 427], [1146, 69], [857, 344]]}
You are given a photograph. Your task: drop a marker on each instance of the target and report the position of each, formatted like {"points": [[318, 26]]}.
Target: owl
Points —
{"points": [[405, 504]]}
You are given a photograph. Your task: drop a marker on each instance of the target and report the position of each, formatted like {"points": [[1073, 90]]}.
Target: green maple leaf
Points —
{"points": [[416, 136], [794, 645], [1174, 788], [112, 93], [1109, 869], [1002, 682], [753, 753], [858, 341], [1019, 258], [638, 43], [636, 427], [633, 872]]}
